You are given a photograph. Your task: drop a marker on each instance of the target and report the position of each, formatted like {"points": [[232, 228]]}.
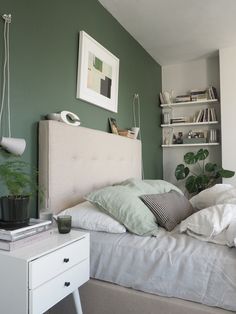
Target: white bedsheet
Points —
{"points": [[172, 265]]}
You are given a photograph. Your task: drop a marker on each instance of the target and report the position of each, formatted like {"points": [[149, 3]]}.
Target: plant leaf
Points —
{"points": [[226, 173], [202, 154], [181, 172], [210, 167], [191, 184], [190, 158]]}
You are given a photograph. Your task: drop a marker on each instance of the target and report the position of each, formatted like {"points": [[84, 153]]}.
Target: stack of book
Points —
{"points": [[206, 115], [182, 98], [197, 94], [35, 231], [178, 120]]}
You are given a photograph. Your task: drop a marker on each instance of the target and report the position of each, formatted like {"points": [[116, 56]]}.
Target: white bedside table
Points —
{"points": [[37, 276]]}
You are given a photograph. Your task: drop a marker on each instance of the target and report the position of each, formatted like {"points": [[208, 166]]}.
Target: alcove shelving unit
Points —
{"points": [[205, 124]]}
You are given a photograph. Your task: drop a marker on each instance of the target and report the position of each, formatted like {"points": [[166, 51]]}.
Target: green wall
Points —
{"points": [[44, 48]]}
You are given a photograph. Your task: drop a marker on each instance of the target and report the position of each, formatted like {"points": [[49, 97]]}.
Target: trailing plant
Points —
{"points": [[14, 174], [200, 175]]}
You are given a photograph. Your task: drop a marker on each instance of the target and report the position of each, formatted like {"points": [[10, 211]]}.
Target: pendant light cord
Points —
{"points": [[6, 72], [137, 120]]}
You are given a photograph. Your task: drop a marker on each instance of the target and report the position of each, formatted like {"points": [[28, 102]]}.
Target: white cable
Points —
{"points": [[136, 101], [8, 80], [4, 73]]}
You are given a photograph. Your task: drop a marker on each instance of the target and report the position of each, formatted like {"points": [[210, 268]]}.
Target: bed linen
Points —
{"points": [[171, 265]]}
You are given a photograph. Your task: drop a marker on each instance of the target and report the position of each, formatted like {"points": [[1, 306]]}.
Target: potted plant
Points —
{"points": [[14, 207], [201, 175]]}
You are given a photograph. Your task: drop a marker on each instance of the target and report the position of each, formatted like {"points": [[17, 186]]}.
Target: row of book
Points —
{"points": [[206, 115], [14, 239], [194, 95]]}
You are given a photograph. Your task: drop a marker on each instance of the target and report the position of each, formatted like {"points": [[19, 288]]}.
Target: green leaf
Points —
{"points": [[210, 167], [226, 173], [181, 172], [191, 184], [190, 158], [202, 154], [202, 182]]}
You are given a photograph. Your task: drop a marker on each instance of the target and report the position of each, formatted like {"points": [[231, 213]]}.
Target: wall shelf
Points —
{"points": [[188, 124], [187, 103], [189, 145]]}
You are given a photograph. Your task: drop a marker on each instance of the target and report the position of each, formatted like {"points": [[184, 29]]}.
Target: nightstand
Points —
{"points": [[37, 276]]}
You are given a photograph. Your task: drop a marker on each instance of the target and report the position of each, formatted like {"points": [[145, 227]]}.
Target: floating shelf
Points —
{"points": [[188, 145], [187, 103], [188, 124]]}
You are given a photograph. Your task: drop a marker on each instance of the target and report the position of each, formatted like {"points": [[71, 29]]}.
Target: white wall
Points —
{"points": [[228, 109], [181, 78]]}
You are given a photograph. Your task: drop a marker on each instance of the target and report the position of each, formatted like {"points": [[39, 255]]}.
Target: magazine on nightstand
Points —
{"points": [[35, 226]]}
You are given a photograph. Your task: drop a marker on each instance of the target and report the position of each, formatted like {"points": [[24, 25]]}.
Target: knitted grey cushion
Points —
{"points": [[169, 208]]}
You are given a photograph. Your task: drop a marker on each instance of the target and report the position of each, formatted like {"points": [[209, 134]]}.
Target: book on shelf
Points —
{"points": [[197, 94], [182, 98], [13, 245], [35, 226], [212, 92], [206, 115]]}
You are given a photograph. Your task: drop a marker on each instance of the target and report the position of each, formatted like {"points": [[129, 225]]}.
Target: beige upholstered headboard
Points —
{"points": [[76, 160]]}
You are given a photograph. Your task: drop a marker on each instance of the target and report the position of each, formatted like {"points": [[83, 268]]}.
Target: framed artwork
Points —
{"points": [[98, 74]]}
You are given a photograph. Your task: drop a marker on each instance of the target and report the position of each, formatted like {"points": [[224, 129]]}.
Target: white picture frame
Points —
{"points": [[98, 74]]}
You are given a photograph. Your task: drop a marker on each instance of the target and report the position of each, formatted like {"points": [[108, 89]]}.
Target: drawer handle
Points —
{"points": [[66, 260], [67, 283]]}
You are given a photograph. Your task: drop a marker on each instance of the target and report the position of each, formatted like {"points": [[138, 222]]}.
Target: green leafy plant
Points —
{"points": [[15, 176], [204, 175]]}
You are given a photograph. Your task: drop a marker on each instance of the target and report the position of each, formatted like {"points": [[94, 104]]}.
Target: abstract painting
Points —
{"points": [[98, 74]]}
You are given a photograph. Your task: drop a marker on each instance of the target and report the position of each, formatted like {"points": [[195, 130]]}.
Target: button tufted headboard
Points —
{"points": [[76, 160]]}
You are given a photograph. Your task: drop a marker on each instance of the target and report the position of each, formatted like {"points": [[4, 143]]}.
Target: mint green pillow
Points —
{"points": [[150, 186], [123, 204]]}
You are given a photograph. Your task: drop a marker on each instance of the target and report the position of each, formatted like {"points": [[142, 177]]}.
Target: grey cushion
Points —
{"points": [[169, 208]]}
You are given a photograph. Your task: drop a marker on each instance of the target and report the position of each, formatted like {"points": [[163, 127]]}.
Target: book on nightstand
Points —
{"points": [[13, 245], [35, 226]]}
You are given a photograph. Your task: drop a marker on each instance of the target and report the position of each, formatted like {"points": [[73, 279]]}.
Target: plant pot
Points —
{"points": [[14, 211]]}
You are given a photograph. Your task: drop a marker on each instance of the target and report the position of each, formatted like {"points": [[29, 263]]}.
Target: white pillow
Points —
{"points": [[208, 197], [86, 216]]}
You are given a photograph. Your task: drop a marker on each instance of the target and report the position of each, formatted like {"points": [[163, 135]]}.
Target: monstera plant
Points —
{"points": [[198, 174]]}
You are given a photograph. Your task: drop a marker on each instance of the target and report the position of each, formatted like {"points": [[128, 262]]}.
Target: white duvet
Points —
{"points": [[216, 223]]}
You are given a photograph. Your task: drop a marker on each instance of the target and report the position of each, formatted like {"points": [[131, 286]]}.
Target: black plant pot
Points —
{"points": [[14, 211]]}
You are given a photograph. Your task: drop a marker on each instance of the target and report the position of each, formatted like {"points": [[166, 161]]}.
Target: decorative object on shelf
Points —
{"points": [[15, 146], [179, 138], [168, 136], [166, 97], [14, 209], [113, 126], [67, 117], [98, 74], [204, 175]]}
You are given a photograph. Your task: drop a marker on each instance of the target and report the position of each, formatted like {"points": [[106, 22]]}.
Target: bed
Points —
{"points": [[74, 161]]}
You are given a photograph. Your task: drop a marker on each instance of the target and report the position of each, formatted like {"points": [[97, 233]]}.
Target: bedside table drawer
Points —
{"points": [[49, 266], [48, 294]]}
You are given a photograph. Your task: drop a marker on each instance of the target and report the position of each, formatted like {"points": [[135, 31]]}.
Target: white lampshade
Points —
{"points": [[14, 146]]}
